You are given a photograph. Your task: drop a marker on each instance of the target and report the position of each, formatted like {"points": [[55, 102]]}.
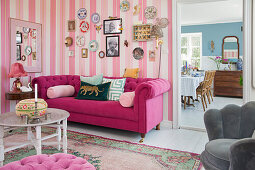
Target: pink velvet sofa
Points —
{"points": [[146, 113]]}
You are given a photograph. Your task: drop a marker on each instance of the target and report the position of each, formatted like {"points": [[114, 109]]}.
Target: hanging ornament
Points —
{"points": [[98, 27]]}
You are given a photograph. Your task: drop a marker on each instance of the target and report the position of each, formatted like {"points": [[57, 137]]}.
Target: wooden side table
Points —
{"points": [[19, 96]]}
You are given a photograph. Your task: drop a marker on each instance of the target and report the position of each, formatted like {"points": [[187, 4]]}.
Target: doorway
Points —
{"points": [[194, 45]]}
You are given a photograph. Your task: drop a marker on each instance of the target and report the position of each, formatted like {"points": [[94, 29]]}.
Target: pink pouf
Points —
{"points": [[56, 161]]}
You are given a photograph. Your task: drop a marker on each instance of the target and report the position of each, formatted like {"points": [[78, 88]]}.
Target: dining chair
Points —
{"points": [[201, 90], [209, 92]]}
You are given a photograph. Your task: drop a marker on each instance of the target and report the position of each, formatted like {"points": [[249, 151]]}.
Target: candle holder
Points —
{"points": [[36, 118]]}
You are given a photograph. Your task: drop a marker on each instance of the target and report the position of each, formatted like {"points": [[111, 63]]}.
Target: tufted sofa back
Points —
{"points": [[44, 82]]}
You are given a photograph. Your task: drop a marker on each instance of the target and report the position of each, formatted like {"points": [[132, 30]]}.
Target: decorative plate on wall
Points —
{"points": [[82, 13], [138, 53], [150, 12], [33, 33], [26, 30], [101, 54], [95, 18], [124, 6], [28, 50], [84, 26], [93, 45], [80, 41]]}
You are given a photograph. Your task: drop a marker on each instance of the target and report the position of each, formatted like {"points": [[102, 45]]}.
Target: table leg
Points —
{"points": [[1, 146], [59, 135], [65, 135], [29, 135], [38, 146]]}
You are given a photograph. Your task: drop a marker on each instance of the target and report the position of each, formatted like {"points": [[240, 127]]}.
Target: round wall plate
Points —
{"points": [[124, 6], [95, 18], [84, 26], [82, 13], [93, 45], [26, 30], [33, 33], [101, 54], [138, 53], [150, 12], [28, 50], [80, 41]]}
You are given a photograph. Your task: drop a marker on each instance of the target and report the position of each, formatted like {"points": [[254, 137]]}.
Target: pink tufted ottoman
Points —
{"points": [[56, 161]]}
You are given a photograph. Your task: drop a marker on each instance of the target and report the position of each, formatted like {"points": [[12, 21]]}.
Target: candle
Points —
{"points": [[35, 92]]}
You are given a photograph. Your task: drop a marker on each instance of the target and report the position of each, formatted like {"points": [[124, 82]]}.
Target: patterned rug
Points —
{"points": [[109, 154]]}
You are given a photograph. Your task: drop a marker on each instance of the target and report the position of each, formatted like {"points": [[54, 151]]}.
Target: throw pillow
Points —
{"points": [[127, 99], [93, 92], [131, 72], [60, 91], [95, 80], [116, 88]]}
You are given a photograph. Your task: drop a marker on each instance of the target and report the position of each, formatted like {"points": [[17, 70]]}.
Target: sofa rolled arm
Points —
{"points": [[242, 154], [152, 88]]}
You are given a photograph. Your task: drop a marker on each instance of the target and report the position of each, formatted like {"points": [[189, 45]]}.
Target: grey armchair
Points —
{"points": [[230, 145]]}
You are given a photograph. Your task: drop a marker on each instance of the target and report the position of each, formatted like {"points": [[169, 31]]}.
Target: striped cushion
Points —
{"points": [[116, 88]]}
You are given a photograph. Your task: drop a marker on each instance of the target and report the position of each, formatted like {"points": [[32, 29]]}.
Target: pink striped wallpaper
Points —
{"points": [[54, 14]]}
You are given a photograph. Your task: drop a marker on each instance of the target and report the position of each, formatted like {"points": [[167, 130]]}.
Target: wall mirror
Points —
{"points": [[230, 49], [25, 48]]}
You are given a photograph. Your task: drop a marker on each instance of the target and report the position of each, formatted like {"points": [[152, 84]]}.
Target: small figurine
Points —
{"points": [[126, 43], [137, 9]]}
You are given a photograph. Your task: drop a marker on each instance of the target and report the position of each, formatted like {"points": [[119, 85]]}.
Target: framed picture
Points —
{"points": [[71, 25], [84, 53], [112, 46], [18, 38], [34, 55], [18, 52], [113, 26]]}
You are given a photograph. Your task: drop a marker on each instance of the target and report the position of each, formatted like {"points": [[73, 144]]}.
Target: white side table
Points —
{"points": [[58, 119]]}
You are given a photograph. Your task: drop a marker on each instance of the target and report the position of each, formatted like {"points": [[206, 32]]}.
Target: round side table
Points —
{"points": [[58, 119]]}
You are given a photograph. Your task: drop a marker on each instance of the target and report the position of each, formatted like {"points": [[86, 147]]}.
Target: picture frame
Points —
{"points": [[18, 38], [18, 52], [142, 32], [33, 55], [112, 46], [112, 26], [36, 45], [84, 53], [71, 25]]}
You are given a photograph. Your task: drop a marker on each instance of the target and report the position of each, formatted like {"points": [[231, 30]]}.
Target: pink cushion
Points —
{"points": [[60, 91], [127, 99], [56, 161]]}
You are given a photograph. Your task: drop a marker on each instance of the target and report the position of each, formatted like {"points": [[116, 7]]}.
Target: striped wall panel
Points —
{"points": [[54, 14]]}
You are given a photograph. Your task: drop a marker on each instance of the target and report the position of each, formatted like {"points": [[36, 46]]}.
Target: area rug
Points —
{"points": [[109, 154]]}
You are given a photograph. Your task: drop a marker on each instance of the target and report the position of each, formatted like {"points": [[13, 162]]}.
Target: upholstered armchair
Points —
{"points": [[230, 144]]}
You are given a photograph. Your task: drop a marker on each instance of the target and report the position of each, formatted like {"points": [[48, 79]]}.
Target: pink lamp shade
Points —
{"points": [[17, 70]]}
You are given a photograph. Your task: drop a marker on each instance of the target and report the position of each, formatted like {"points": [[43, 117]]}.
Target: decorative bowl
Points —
{"points": [[27, 107]]}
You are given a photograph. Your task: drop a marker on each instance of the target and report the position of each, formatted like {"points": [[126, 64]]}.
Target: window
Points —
{"points": [[191, 49]]}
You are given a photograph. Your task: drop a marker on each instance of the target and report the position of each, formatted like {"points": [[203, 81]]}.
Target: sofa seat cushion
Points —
{"points": [[217, 153], [111, 109]]}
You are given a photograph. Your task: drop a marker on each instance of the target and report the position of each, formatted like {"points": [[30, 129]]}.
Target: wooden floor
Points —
{"points": [[176, 139]]}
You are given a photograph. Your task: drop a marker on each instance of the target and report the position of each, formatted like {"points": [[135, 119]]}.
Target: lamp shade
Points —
{"points": [[17, 70]]}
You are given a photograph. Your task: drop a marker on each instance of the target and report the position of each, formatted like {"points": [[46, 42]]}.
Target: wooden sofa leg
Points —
{"points": [[158, 127], [142, 136]]}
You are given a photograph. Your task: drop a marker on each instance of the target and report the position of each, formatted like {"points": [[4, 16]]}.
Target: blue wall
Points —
{"points": [[216, 32]]}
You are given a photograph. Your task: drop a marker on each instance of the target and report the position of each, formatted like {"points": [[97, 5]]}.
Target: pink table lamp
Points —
{"points": [[17, 71]]}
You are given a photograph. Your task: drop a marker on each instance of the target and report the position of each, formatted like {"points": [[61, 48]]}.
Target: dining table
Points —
{"points": [[189, 85]]}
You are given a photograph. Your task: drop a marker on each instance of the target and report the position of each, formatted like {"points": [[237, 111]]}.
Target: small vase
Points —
{"points": [[239, 64]]}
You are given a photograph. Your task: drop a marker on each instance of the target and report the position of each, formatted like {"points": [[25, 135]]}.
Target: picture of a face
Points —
{"points": [[111, 27], [112, 46], [71, 25]]}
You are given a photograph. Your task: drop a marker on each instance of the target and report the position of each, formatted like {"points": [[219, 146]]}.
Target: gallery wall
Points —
{"points": [[54, 14]]}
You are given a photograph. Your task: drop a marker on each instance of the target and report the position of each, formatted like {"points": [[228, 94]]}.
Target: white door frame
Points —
{"points": [[247, 41]]}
